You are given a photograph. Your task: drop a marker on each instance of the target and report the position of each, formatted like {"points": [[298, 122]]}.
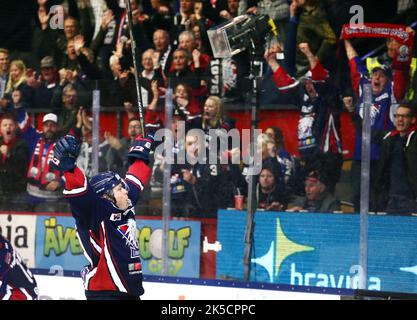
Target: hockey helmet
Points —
{"points": [[103, 183]]}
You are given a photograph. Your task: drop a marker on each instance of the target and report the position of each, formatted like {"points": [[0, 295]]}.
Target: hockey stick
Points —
{"points": [[137, 75]]}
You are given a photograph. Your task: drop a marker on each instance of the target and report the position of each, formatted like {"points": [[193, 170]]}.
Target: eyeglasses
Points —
{"points": [[134, 127], [402, 116]]}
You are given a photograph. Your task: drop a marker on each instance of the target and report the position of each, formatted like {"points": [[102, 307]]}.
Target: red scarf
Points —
{"points": [[402, 58], [377, 30], [37, 174]]}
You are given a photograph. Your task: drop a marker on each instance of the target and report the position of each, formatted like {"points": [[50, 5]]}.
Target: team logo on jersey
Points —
{"points": [[128, 232]]}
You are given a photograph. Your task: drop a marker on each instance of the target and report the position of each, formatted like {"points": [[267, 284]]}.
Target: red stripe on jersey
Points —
{"points": [[102, 279], [75, 183], [17, 294], [140, 171]]}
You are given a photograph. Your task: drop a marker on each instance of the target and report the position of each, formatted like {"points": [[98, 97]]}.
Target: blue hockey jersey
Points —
{"points": [[16, 280], [107, 233]]}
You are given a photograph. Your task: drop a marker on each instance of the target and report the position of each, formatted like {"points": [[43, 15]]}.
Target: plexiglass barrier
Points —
{"points": [[259, 189]]}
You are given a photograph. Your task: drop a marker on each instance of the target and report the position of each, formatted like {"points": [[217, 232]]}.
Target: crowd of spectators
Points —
{"points": [[73, 47]]}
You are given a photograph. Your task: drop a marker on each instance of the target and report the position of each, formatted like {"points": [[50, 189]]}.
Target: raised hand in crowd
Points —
{"points": [[4, 149], [252, 10], [62, 76], [271, 58], [112, 140], [155, 93], [305, 49], [348, 103], [78, 43], [119, 49], [43, 17], [129, 109], [108, 17], [188, 176], [196, 58], [293, 7], [42, 3], [198, 10], [155, 59], [225, 14], [34, 81]]}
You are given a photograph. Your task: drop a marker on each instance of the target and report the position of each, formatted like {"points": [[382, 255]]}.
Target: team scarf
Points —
{"points": [[37, 173], [397, 32], [377, 30]]}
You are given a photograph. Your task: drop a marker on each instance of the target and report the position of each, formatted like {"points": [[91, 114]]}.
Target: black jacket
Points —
{"points": [[410, 160]]}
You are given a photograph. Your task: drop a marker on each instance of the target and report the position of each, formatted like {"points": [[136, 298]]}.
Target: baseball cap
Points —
{"points": [[47, 62], [50, 117], [315, 176]]}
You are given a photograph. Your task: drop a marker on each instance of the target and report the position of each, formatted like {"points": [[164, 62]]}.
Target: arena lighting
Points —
{"points": [[239, 34]]}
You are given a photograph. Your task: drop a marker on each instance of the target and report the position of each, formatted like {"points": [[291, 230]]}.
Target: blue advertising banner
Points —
{"points": [[322, 250], [58, 248]]}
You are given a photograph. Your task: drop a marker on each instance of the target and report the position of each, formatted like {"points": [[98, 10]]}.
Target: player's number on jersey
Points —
{"points": [[213, 170]]}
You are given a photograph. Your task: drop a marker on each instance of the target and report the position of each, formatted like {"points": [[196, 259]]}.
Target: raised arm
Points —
{"points": [[280, 76], [139, 172], [77, 190]]}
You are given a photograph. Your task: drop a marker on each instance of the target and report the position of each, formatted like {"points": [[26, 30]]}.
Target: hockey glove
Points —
{"points": [[66, 151], [141, 148]]}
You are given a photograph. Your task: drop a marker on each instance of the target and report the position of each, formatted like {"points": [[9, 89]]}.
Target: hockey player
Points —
{"points": [[103, 209], [16, 280]]}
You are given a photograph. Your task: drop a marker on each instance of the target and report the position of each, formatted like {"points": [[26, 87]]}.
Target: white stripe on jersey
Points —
{"points": [[110, 264], [25, 271], [292, 85], [135, 180], [84, 251], [8, 293], [28, 296], [95, 244], [78, 190], [88, 277]]}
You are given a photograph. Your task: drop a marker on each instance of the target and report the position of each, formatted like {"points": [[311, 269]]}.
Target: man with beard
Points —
{"points": [[44, 182], [14, 160]]}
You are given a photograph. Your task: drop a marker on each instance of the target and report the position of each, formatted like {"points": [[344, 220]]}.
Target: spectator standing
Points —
{"points": [[387, 89], [314, 28], [14, 161], [43, 181], [319, 136], [397, 172]]}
